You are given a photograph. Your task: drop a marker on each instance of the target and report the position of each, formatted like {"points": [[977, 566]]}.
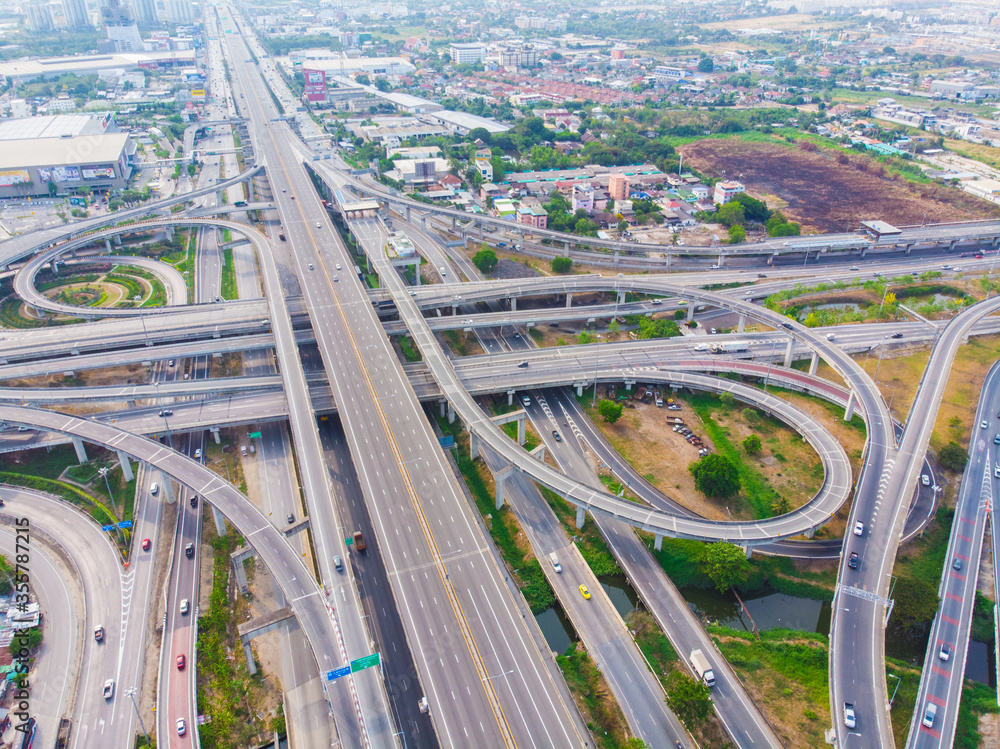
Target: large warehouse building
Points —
{"points": [[67, 151]]}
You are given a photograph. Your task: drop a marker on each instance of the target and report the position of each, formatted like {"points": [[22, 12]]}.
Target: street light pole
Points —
{"points": [[131, 693], [597, 360], [899, 680], [142, 319]]}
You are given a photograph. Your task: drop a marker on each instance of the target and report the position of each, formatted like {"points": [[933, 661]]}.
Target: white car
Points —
{"points": [[925, 480], [181, 727], [983, 425], [109, 689], [859, 528]]}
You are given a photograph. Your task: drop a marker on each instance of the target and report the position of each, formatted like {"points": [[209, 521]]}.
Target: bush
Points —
{"points": [[953, 457], [715, 476], [609, 410], [752, 444], [486, 260], [689, 698], [561, 264]]}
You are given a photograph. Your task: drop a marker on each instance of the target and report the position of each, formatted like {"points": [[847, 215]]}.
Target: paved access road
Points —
{"points": [[944, 673]]}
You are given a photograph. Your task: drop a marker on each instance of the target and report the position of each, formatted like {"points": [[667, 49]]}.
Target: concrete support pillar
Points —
{"points": [[215, 435], [788, 352], [500, 479], [480, 231], [451, 414], [616, 258], [473, 445], [749, 552], [658, 542], [123, 461], [407, 214], [539, 453], [81, 451], [628, 384], [510, 399], [248, 654], [521, 429], [454, 310], [741, 324], [813, 363], [849, 411], [951, 246], [168, 488], [806, 259], [690, 310], [864, 251], [117, 240], [908, 248], [53, 266], [453, 223], [810, 532], [423, 222], [220, 521], [566, 248], [581, 515], [621, 297], [443, 404], [107, 245], [131, 403], [579, 389], [416, 273], [668, 261], [513, 304], [569, 300], [722, 259]]}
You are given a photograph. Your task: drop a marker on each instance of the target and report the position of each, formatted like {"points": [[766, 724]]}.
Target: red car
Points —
{"points": [[146, 543], [180, 662]]}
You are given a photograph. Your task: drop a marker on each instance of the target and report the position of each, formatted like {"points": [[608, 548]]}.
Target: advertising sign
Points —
{"points": [[198, 93], [65, 174], [98, 172], [315, 85], [14, 177]]}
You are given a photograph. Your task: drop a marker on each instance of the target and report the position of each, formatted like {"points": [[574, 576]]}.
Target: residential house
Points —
{"points": [[583, 197], [531, 213], [726, 191], [618, 186]]}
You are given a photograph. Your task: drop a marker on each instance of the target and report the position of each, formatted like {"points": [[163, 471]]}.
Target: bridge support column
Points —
{"points": [[237, 558], [81, 451], [407, 214], [579, 389], [107, 245], [741, 324], [581, 515], [722, 259], [453, 223], [621, 297], [616, 258], [668, 261], [849, 411], [521, 428], [131, 404], [501, 480], [951, 246], [658, 542], [220, 521], [454, 310], [215, 435], [248, 654], [566, 248], [539, 453], [813, 364], [788, 352], [810, 532], [908, 248], [443, 404], [117, 239], [473, 445], [690, 314], [480, 231], [510, 399], [864, 251], [423, 222], [749, 550], [629, 384], [451, 414], [513, 304], [123, 461], [53, 267], [416, 272], [168, 488], [569, 299]]}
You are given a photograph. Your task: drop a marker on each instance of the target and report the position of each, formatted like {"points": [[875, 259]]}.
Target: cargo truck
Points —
{"points": [[729, 347], [359, 541], [701, 667]]}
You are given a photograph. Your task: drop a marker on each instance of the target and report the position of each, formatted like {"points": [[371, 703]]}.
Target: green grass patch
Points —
{"points": [[800, 657], [410, 352], [602, 713], [72, 494], [977, 699], [228, 284], [982, 619], [10, 316], [923, 557], [503, 526]]}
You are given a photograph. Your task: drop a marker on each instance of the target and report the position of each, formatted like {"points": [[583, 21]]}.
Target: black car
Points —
{"points": [[897, 334], [557, 436], [787, 325], [189, 551], [852, 562], [761, 275], [166, 412], [291, 518], [194, 501]]}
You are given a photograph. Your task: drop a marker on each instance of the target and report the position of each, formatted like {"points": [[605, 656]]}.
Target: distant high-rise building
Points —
{"points": [[76, 14], [618, 186], [119, 22], [178, 11], [145, 11], [39, 17]]}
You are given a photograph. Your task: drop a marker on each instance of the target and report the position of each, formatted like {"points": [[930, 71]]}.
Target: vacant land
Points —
{"points": [[827, 190]]}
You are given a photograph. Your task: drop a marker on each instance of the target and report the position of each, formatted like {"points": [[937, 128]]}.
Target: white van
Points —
{"points": [[555, 562], [930, 712], [154, 489]]}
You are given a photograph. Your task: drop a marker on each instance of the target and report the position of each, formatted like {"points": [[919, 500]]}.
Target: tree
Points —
{"points": [[781, 506], [561, 264], [916, 604], [737, 234], [705, 65], [26, 639], [486, 259], [609, 410], [689, 698], [715, 476], [731, 214], [953, 457], [752, 444], [726, 564], [754, 210], [585, 336]]}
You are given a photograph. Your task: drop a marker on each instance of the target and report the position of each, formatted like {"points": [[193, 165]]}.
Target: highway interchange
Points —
{"points": [[475, 654]]}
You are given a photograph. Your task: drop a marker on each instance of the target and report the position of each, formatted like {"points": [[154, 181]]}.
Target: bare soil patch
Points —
{"points": [[827, 191]]}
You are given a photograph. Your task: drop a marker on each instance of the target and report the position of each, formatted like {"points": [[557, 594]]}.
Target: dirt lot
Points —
{"points": [[826, 195]]}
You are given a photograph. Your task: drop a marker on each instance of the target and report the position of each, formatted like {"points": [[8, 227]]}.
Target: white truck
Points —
{"points": [[729, 347], [702, 668], [555, 562]]}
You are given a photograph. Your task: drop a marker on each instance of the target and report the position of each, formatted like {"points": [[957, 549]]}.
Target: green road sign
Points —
{"points": [[349, 541], [367, 662], [255, 435]]}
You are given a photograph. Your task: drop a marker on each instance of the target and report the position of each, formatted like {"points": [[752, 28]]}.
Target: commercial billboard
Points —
{"points": [[98, 172], [59, 174], [198, 93], [315, 84], [13, 177]]}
